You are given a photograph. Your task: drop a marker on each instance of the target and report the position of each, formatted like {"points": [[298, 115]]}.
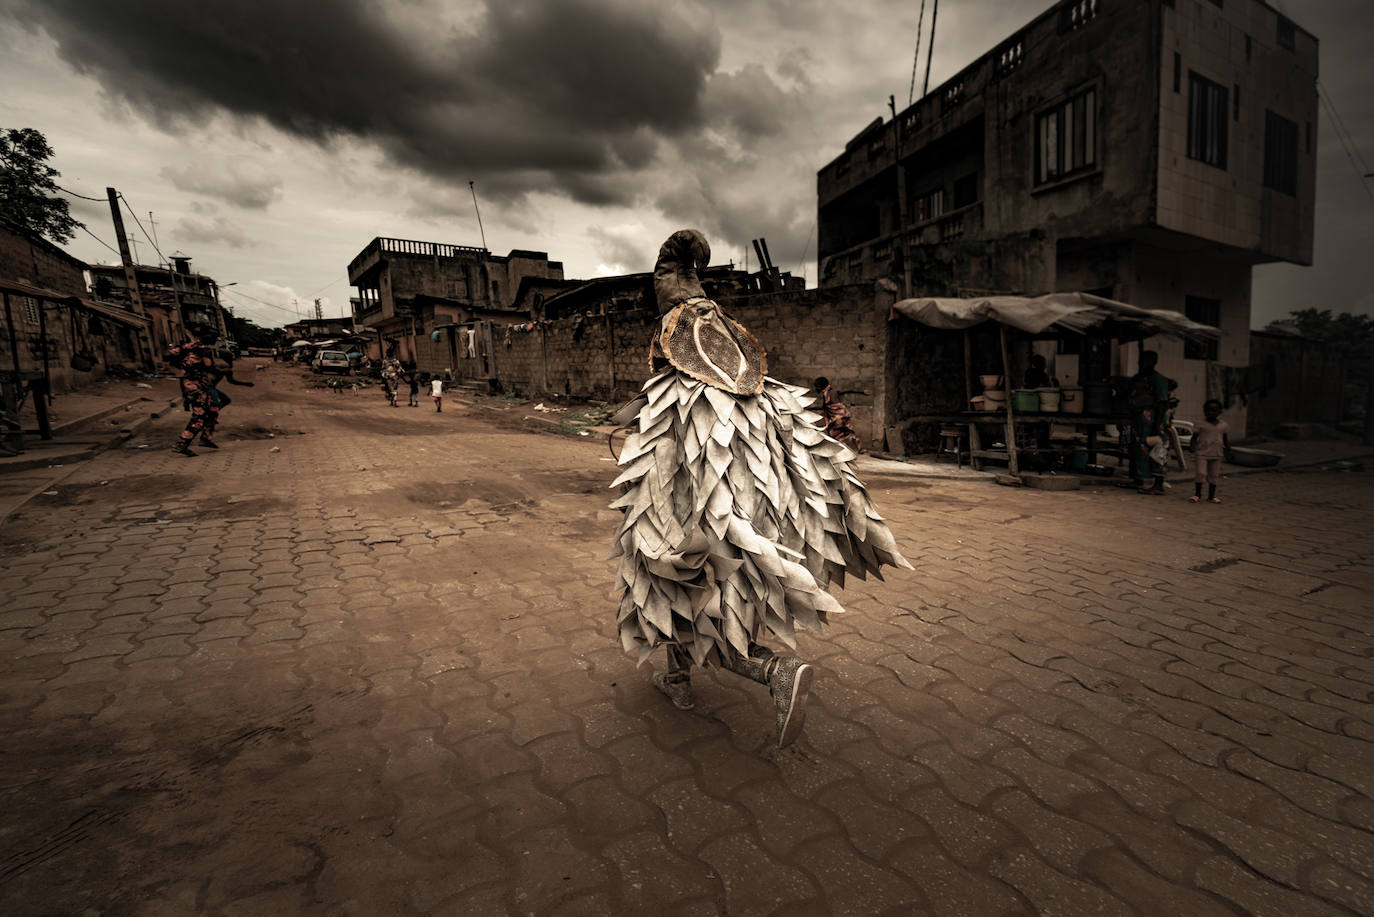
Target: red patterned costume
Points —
{"points": [[195, 363]]}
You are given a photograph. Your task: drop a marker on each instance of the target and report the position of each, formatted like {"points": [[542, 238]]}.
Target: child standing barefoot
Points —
{"points": [[1211, 443]]}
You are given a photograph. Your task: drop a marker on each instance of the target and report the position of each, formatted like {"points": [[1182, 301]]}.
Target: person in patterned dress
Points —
{"points": [[195, 365]]}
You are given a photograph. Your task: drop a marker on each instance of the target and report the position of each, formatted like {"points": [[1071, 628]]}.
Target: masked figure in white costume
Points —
{"points": [[739, 510]]}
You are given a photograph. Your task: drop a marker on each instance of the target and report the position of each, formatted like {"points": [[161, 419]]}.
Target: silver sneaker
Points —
{"points": [[677, 687], [790, 686]]}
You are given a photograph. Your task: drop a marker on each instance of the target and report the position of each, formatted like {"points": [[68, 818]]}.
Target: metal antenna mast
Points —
{"points": [[472, 186], [911, 93], [934, 10]]}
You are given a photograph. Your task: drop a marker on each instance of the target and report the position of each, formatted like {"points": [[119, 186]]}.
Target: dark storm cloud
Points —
{"points": [[234, 183], [623, 246], [216, 230], [564, 92]]}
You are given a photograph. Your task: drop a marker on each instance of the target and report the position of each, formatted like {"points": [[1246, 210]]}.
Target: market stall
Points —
{"points": [[1053, 316]]}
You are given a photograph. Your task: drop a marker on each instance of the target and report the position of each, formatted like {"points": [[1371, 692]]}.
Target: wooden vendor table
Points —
{"points": [[1089, 424]]}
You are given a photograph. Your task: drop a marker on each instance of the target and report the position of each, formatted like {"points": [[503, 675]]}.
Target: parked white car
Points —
{"points": [[331, 361]]}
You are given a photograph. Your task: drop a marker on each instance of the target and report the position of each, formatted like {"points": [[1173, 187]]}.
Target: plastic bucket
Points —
{"points": [[995, 394], [1025, 401], [1049, 400]]}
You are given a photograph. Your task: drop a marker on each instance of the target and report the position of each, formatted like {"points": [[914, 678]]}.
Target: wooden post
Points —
{"points": [[43, 342], [14, 339], [975, 439], [1010, 418]]}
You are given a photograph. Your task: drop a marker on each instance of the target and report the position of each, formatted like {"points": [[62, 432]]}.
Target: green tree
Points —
{"points": [[249, 334], [1346, 330], [27, 189]]}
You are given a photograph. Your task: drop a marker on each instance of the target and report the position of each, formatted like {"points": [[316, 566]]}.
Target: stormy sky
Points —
{"points": [[271, 139]]}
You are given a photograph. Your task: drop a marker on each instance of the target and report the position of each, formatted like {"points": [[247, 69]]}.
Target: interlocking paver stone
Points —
{"points": [[286, 677]]}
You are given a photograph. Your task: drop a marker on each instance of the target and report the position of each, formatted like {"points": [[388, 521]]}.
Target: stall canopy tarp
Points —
{"points": [[1076, 312]]}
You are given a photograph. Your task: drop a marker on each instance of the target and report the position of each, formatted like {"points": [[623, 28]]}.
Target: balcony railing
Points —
{"points": [[416, 248]]}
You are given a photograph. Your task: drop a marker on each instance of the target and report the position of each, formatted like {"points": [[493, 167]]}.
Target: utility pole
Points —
{"points": [[130, 274], [319, 310]]}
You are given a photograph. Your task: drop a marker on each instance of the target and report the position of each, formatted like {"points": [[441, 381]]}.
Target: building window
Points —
{"points": [[930, 205], [1287, 34], [1204, 311], [1280, 153], [30, 310], [966, 190], [1178, 71], [1066, 138], [1206, 121]]}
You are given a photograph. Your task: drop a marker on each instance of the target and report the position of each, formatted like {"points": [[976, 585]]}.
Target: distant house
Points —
{"points": [[1149, 151], [407, 288], [318, 329]]}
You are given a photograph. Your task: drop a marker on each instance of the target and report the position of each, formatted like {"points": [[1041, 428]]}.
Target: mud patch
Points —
{"points": [[445, 495], [253, 433], [131, 489], [1214, 565], [575, 482]]}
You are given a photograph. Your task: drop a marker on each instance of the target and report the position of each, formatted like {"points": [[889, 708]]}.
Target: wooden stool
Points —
{"points": [[952, 442]]}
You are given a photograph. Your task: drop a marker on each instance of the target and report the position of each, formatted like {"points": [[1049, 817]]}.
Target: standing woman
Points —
{"points": [[195, 364]]}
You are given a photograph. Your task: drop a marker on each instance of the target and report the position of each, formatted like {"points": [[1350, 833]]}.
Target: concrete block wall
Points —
{"points": [[39, 263], [838, 332]]}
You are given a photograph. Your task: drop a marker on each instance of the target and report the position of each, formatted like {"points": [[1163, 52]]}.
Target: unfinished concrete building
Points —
{"points": [[407, 288], [174, 298], [1151, 151]]}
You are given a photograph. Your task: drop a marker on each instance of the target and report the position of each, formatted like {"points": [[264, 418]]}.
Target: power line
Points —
{"points": [[264, 302], [1340, 123], [82, 227], [98, 200], [332, 283], [141, 229], [1345, 145]]}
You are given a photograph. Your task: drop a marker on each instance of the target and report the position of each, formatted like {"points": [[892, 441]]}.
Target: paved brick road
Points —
{"points": [[375, 671]]}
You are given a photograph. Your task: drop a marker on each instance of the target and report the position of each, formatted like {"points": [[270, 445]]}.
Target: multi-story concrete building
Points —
{"points": [[406, 288], [1152, 151], [174, 298], [318, 329]]}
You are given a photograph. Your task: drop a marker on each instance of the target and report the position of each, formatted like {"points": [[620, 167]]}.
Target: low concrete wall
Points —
{"points": [[836, 332]]}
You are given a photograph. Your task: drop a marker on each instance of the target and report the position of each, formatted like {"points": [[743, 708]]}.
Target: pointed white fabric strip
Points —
{"points": [[739, 512]]}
